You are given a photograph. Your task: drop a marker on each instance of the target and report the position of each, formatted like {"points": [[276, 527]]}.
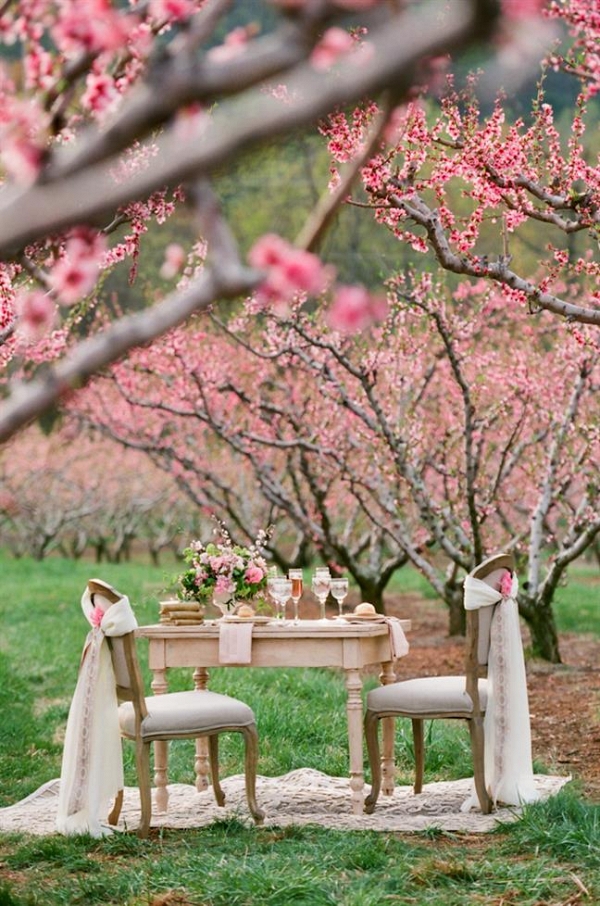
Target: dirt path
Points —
{"points": [[564, 700]]}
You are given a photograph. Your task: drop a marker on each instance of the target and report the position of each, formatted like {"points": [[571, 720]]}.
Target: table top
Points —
{"points": [[277, 629]]}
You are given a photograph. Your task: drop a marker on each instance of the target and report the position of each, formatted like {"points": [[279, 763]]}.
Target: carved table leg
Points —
{"points": [[201, 765], [388, 730], [354, 709], [161, 751]]}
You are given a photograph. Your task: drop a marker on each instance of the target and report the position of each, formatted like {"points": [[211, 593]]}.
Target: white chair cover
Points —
{"points": [[507, 733], [92, 765]]}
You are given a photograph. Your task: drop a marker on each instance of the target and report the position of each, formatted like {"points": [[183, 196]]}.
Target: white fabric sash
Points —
{"points": [[398, 640], [507, 733], [92, 765]]}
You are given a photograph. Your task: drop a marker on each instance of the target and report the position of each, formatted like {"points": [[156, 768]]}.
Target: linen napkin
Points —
{"points": [[235, 643], [398, 642]]}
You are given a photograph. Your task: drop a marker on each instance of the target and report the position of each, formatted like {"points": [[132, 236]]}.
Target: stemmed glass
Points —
{"points": [[339, 590], [272, 578], [321, 584], [295, 575], [281, 592]]}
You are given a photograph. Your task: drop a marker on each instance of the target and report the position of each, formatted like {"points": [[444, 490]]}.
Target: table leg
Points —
{"points": [[161, 750], [354, 708], [201, 765], [388, 730]]}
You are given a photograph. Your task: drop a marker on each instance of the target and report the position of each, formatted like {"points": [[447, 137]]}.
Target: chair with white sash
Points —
{"points": [[177, 715], [500, 742], [109, 674]]}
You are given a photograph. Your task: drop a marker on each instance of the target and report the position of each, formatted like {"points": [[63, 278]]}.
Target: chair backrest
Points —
{"points": [[128, 676], [479, 621]]}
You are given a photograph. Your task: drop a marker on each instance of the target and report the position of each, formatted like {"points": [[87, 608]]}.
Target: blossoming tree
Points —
{"points": [[425, 441], [112, 115], [464, 186]]}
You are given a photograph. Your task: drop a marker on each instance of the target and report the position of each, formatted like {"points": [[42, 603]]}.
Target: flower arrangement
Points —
{"points": [[223, 570]]}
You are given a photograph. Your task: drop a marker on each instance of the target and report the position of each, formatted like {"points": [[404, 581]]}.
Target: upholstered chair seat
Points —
{"points": [[185, 714], [429, 696]]}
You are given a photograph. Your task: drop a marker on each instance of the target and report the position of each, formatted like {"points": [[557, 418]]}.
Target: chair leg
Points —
{"points": [[477, 751], [371, 725], [114, 813], [419, 748], [213, 754], [251, 761], [142, 763]]}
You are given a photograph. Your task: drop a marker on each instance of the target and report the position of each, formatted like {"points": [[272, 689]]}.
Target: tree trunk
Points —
{"points": [[453, 596], [457, 620], [371, 590], [542, 627]]}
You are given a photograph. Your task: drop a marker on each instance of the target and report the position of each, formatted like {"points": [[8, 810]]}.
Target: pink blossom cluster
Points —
{"points": [[23, 125], [289, 271], [354, 309], [294, 273], [76, 271], [89, 26]]}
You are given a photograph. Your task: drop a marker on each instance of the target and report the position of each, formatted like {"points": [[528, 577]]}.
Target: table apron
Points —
{"points": [[345, 653]]}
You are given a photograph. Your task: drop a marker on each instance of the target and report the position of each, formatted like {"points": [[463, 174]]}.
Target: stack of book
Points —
{"points": [[181, 613]]}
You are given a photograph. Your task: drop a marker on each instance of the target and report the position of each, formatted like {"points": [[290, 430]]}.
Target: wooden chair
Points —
{"points": [[176, 715], [442, 697]]}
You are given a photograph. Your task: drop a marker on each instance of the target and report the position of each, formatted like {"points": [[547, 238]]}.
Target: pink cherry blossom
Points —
{"points": [[36, 311], [354, 308], [76, 272], [235, 43], [100, 92], [290, 270], [90, 26], [334, 44], [522, 9], [171, 10], [174, 261]]}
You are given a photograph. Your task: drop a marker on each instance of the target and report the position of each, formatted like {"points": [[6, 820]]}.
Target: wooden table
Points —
{"points": [[310, 643]]}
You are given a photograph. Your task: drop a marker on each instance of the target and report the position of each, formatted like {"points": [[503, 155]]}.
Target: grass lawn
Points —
{"points": [[551, 856]]}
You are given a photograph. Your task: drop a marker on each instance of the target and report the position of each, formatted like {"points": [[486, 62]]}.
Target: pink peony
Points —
{"points": [[254, 574]]}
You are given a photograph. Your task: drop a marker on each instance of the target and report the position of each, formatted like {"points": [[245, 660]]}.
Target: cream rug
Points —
{"points": [[304, 796]]}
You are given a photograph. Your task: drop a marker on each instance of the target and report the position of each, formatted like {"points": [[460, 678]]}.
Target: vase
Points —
{"points": [[225, 602]]}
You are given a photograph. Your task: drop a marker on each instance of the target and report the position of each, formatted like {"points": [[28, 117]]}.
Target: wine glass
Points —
{"points": [[272, 577], [297, 585], [321, 584], [281, 591], [339, 590]]}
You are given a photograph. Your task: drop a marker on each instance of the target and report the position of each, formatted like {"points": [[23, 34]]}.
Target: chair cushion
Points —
{"points": [[181, 714], [426, 695]]}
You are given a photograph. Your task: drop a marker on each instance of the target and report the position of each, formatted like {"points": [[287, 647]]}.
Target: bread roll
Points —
{"points": [[244, 610], [365, 609]]}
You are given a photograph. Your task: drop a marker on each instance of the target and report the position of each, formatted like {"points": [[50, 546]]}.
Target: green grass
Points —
{"points": [[545, 858], [577, 602]]}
